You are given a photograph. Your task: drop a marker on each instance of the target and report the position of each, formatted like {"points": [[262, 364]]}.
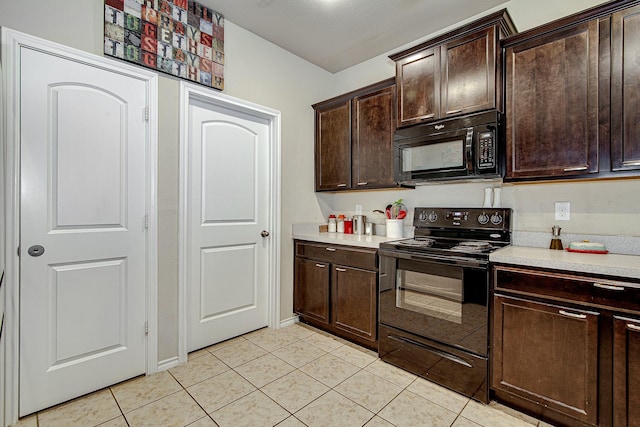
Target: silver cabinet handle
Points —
{"points": [[341, 185], [631, 163], [608, 287], [574, 315], [321, 265], [330, 249], [454, 111], [362, 183], [633, 327], [577, 168], [340, 269]]}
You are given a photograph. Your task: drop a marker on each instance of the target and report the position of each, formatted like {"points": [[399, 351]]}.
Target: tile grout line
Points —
{"points": [[119, 407]]}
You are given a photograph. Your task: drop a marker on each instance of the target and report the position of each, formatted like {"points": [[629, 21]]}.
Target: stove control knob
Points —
{"points": [[433, 216], [496, 219], [423, 216], [483, 218]]}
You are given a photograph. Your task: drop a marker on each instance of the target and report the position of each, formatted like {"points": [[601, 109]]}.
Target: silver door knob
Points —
{"points": [[36, 250], [264, 233]]}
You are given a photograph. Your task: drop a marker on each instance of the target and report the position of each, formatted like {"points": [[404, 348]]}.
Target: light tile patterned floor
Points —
{"points": [[290, 377]]}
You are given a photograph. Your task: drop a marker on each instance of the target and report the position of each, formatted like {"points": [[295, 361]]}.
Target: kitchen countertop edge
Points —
{"points": [[627, 266], [311, 233]]}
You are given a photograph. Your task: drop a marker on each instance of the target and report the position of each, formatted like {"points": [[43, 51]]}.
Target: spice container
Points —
{"points": [[340, 224], [348, 226], [333, 226]]}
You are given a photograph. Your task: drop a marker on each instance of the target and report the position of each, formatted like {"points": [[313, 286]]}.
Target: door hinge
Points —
{"points": [[18, 250], [146, 113], [146, 328], [146, 222]]}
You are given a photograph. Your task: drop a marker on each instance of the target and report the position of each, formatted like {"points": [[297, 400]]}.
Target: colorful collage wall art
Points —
{"points": [[179, 37]]}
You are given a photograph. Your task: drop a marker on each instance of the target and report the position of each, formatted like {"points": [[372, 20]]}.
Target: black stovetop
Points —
{"points": [[473, 232]]}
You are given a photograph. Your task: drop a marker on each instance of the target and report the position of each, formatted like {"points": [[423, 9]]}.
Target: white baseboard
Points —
{"points": [[288, 322], [169, 363]]}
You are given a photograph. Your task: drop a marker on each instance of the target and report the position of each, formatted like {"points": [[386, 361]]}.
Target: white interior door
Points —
{"points": [[83, 180], [227, 254]]}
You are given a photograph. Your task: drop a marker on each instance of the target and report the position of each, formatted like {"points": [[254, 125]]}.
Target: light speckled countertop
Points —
{"points": [[311, 233], [607, 264]]}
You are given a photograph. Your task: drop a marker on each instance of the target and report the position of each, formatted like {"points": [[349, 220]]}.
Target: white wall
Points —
{"points": [[263, 73]]}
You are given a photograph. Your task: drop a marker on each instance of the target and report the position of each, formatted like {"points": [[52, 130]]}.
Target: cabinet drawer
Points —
{"points": [[615, 294], [343, 255]]}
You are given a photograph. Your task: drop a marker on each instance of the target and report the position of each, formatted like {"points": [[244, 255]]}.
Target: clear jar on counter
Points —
{"points": [[340, 224], [332, 228]]}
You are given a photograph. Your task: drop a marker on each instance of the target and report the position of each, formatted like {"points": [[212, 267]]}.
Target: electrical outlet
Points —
{"points": [[563, 211]]}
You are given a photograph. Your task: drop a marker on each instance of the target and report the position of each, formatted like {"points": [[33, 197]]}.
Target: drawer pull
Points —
{"points": [[631, 163], [341, 185], [574, 315], [608, 287], [340, 269], [633, 327], [576, 168], [362, 183], [330, 249], [454, 111], [321, 265]]}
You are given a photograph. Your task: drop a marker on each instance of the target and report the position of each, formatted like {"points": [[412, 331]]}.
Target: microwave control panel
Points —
{"points": [[486, 150]]}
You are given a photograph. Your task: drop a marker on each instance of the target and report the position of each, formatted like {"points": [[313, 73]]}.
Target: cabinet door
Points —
{"points": [[552, 104], [333, 146], [547, 354], [626, 372], [469, 73], [373, 128], [418, 87], [354, 301], [311, 288], [625, 90]]}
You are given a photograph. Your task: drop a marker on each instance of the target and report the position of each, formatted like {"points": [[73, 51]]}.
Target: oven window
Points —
{"points": [[441, 155], [438, 294]]}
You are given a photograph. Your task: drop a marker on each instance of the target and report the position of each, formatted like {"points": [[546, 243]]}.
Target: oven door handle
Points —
{"points": [[440, 353], [451, 260]]}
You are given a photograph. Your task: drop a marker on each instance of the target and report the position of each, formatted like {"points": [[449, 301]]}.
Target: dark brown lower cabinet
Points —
{"points": [[547, 354], [354, 297], [312, 289], [336, 289], [626, 372], [565, 347]]}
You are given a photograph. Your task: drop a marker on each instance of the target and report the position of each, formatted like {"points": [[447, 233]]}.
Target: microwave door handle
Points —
{"points": [[469, 151]]}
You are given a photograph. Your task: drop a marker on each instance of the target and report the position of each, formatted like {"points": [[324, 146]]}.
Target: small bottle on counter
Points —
{"points": [[348, 226], [333, 226], [340, 224]]}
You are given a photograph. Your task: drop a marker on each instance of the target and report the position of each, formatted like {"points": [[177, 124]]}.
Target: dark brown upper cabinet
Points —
{"points": [[333, 145], [552, 104], [372, 139], [572, 96], [625, 90], [456, 73], [354, 139]]}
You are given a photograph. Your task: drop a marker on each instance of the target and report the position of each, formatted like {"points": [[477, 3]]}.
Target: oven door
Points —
{"points": [[444, 300]]}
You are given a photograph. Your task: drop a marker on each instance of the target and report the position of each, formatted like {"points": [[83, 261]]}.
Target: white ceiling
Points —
{"points": [[337, 34]]}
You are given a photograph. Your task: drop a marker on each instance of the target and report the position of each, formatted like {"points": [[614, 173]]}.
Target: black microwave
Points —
{"points": [[465, 147]]}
